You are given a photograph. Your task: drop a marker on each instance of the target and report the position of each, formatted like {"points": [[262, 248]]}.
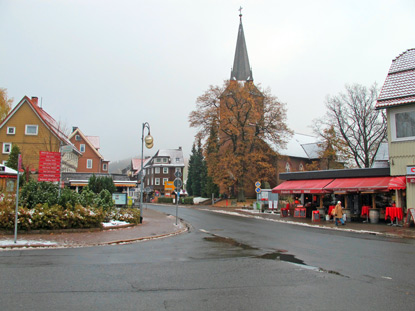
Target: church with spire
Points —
{"points": [[241, 116], [241, 70]]}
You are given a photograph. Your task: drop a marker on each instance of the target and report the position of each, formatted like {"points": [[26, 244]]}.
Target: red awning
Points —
{"points": [[302, 186], [366, 184], [397, 183]]}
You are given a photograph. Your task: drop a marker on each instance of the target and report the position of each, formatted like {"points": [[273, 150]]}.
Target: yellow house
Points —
{"points": [[33, 130], [398, 98]]}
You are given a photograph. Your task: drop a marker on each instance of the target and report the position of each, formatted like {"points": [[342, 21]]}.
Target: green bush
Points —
{"points": [[33, 193], [165, 200], [51, 217], [188, 200], [130, 215]]}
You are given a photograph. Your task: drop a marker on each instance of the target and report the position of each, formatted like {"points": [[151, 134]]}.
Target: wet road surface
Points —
{"points": [[224, 263]]}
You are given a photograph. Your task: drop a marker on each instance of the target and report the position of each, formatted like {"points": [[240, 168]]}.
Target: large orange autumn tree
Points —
{"points": [[243, 127]]}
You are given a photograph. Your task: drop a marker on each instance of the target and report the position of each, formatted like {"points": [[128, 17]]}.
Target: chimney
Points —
{"points": [[34, 100], [74, 128], [180, 148]]}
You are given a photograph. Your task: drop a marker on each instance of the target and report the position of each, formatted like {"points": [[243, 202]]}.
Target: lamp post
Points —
{"points": [[149, 144]]}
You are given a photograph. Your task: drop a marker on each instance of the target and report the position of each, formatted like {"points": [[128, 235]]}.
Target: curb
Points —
{"points": [[185, 228]]}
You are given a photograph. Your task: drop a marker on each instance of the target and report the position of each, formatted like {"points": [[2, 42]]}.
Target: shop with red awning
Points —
{"points": [[302, 186]]}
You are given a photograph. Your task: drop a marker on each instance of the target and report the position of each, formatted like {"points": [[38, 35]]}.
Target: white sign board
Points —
{"points": [[410, 170]]}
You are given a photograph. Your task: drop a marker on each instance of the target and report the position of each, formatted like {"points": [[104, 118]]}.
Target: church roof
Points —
{"points": [[241, 70], [399, 87]]}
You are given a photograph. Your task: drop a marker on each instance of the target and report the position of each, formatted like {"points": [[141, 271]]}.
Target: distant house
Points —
{"points": [[134, 168], [33, 130], [161, 168], [300, 151], [91, 161]]}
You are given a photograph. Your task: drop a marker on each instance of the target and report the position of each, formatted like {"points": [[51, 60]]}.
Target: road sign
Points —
{"points": [[178, 183], [257, 184], [257, 190], [49, 166], [66, 149], [178, 174]]}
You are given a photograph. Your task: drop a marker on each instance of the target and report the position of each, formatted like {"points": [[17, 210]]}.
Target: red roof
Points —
{"points": [[56, 128], [302, 186], [399, 87]]}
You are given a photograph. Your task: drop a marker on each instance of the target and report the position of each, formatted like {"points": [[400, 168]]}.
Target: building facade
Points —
{"points": [[33, 130], [90, 161], [398, 98], [162, 168]]}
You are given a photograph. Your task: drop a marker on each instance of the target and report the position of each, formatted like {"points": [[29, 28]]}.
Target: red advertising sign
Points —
{"points": [[49, 166]]}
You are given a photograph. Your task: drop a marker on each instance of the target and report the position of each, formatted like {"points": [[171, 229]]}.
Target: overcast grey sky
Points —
{"points": [[108, 66]]}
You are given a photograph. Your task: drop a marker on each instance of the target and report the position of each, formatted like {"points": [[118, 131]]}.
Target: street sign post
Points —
{"points": [[177, 184]]}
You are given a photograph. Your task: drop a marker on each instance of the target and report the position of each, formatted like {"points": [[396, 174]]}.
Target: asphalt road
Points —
{"points": [[224, 263]]}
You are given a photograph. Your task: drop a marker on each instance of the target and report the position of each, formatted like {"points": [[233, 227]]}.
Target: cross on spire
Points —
{"points": [[240, 12]]}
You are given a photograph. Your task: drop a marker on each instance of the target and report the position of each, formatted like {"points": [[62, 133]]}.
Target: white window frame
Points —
{"points": [[105, 167], [287, 167], [11, 130], [165, 170], [78, 137], [9, 145], [30, 125], [80, 148], [393, 124], [158, 160], [157, 181], [164, 160], [164, 180], [89, 163], [157, 170], [177, 160]]}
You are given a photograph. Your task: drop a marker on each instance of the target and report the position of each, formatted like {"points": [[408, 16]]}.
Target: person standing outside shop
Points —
{"points": [[338, 213]]}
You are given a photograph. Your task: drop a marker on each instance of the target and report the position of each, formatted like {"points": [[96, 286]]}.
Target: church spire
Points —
{"points": [[241, 70]]}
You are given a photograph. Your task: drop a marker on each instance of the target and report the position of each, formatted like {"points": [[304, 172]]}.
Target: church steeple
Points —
{"points": [[241, 70]]}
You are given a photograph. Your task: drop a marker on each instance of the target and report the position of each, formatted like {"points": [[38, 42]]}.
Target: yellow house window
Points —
{"points": [[31, 129]]}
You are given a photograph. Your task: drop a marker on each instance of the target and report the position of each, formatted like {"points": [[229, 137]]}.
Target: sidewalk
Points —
{"points": [[155, 225], [381, 228]]}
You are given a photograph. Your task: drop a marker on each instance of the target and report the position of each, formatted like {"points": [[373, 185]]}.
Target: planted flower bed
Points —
{"points": [[42, 208]]}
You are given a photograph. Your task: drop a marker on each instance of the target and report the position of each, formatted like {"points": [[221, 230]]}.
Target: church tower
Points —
{"points": [[241, 115], [241, 70]]}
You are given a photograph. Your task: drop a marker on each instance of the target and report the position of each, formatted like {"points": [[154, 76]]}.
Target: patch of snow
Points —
{"points": [[26, 242], [114, 223]]}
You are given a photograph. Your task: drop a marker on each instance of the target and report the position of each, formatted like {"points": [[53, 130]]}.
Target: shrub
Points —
{"points": [[188, 200], [130, 215], [165, 200], [69, 198], [33, 193]]}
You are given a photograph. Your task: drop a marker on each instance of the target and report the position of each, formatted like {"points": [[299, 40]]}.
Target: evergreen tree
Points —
{"points": [[197, 170], [189, 183], [212, 148], [13, 159], [97, 184]]}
